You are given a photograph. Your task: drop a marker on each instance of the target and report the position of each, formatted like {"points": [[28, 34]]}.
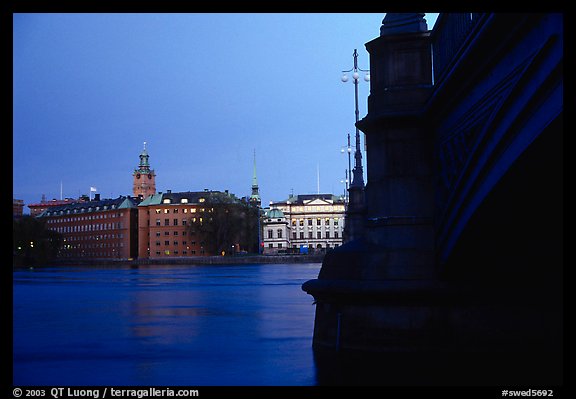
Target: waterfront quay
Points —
{"points": [[199, 260]]}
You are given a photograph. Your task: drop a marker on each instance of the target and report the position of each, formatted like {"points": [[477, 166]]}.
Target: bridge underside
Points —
{"points": [[516, 234], [461, 286]]}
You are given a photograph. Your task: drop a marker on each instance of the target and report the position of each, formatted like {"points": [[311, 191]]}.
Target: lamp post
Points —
{"points": [[345, 180], [358, 178], [354, 226], [347, 149]]}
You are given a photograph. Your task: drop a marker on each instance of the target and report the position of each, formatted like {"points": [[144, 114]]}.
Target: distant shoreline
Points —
{"points": [[200, 260]]}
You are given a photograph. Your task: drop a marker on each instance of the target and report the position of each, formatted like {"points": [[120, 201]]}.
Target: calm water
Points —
{"points": [[164, 325]]}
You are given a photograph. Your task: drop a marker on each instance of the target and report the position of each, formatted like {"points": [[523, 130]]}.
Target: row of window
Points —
{"points": [[310, 234], [318, 221], [177, 253], [80, 210], [296, 246], [184, 210], [87, 227], [175, 222], [182, 200], [91, 254], [96, 237], [175, 233], [175, 243], [318, 235], [314, 208], [105, 215], [94, 245]]}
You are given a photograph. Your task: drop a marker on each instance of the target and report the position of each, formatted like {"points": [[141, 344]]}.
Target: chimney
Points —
{"points": [[97, 197]]}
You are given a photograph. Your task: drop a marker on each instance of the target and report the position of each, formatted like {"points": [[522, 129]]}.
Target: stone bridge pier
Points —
{"points": [[457, 277]]}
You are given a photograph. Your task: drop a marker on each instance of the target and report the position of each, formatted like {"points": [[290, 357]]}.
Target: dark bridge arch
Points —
{"points": [[493, 106], [516, 234]]}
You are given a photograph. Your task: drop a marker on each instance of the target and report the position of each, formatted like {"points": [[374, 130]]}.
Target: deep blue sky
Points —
{"points": [[203, 90]]}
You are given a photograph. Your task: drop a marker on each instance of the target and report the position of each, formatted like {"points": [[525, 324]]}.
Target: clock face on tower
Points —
{"points": [[138, 175], [149, 175]]}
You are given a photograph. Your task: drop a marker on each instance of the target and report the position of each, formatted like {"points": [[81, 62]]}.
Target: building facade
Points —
{"points": [[164, 223], [96, 229], [303, 223], [17, 208]]}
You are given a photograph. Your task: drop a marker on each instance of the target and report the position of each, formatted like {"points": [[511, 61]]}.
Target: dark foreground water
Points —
{"points": [[164, 325]]}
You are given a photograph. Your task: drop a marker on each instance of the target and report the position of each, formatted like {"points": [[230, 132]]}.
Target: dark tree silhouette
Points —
{"points": [[226, 225], [33, 244]]}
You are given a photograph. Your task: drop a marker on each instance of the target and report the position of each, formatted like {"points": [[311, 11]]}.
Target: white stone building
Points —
{"points": [[303, 223]]}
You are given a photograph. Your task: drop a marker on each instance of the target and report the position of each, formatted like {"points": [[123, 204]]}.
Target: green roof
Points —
{"points": [[275, 214], [154, 199]]}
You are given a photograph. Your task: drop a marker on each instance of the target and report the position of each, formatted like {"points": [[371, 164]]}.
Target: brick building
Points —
{"points": [[164, 220], [96, 229]]}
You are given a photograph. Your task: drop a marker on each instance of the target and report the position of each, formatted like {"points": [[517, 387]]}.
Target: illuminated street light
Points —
{"points": [[358, 178]]}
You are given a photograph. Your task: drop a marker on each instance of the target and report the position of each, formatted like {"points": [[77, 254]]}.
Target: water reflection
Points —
{"points": [[176, 325]]}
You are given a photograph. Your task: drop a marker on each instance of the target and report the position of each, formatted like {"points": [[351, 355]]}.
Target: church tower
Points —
{"points": [[255, 196], [144, 177]]}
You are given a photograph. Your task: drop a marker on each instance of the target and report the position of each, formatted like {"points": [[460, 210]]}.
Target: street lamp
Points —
{"points": [[358, 178], [345, 180], [347, 149]]}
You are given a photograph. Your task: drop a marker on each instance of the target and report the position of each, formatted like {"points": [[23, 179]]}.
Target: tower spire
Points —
{"points": [[144, 178], [255, 196]]}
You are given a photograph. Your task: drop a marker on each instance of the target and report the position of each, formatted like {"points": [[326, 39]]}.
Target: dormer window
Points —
{"points": [[166, 201], [184, 201]]}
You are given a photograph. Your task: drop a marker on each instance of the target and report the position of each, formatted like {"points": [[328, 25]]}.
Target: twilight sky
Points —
{"points": [[203, 90]]}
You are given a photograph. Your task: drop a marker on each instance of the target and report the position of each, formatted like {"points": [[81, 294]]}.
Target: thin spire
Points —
{"points": [[255, 196], [254, 178]]}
